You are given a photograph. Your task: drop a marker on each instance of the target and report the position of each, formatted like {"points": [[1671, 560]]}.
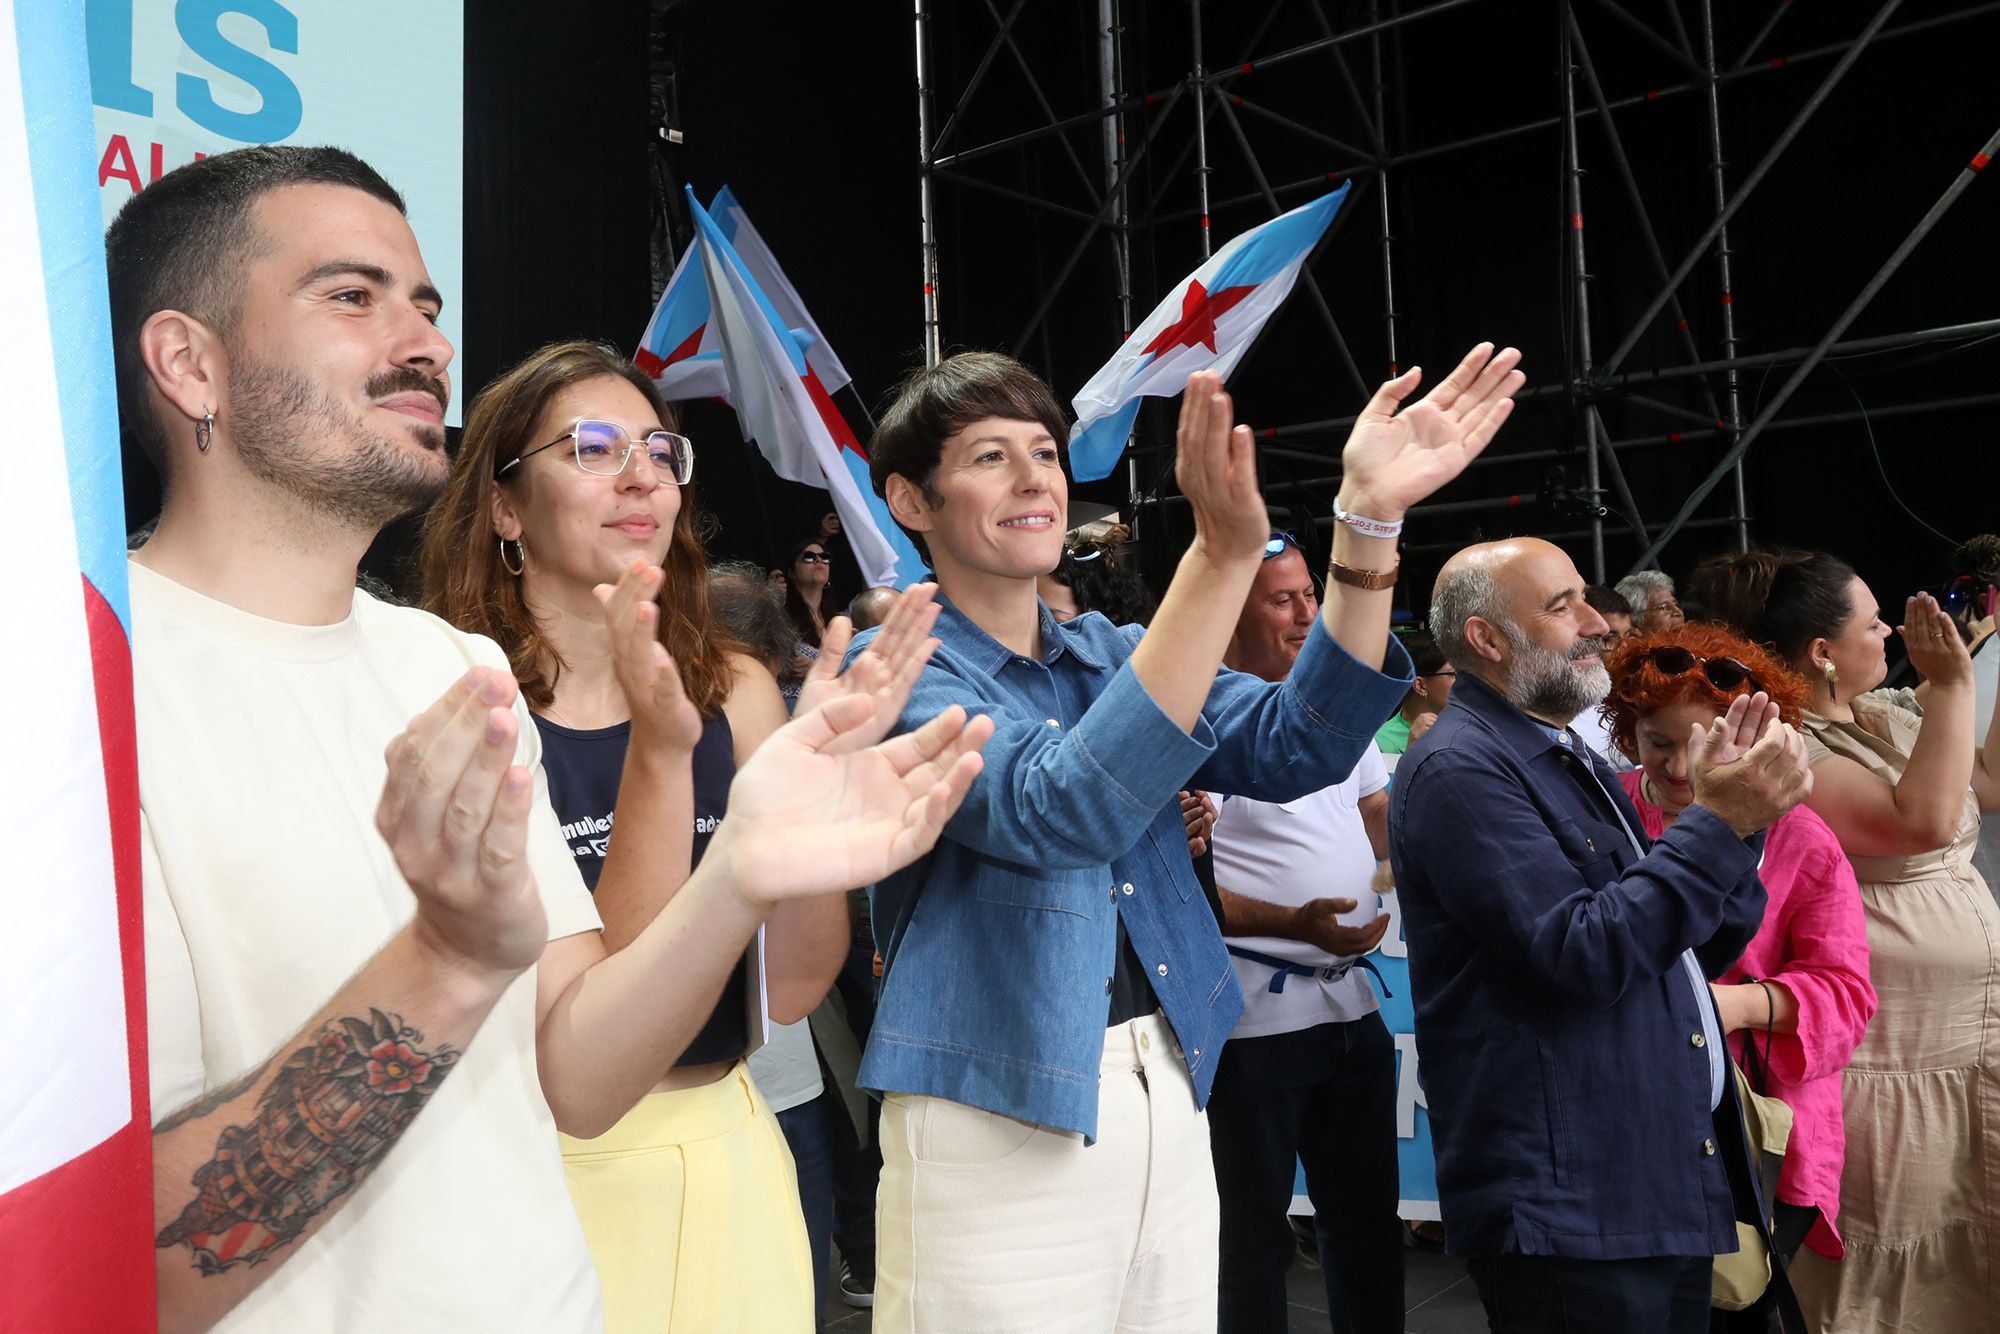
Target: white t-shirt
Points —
{"points": [[786, 1069], [267, 887], [1591, 727], [1291, 853]]}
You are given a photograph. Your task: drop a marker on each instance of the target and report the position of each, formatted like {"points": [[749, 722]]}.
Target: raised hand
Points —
{"points": [[1215, 465], [885, 671], [1318, 924], [454, 811], [807, 816], [1748, 767], [1931, 638], [662, 714], [1394, 459]]}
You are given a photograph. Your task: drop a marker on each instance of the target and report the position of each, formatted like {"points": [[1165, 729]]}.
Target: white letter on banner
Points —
{"points": [[1409, 1092], [1393, 945]]}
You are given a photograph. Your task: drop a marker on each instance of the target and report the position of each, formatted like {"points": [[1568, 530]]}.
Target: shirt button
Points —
{"points": [[1197, 1053], [1708, 1147], [1107, 986], [1698, 1040], [1163, 970], [1145, 1042], [1054, 723], [1114, 893], [1128, 887]]}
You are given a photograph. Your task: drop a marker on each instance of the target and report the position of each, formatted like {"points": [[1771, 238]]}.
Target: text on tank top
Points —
{"points": [[583, 768]]}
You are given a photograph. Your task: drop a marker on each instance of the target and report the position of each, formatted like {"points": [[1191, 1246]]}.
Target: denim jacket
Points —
{"points": [[998, 947], [1565, 1056]]}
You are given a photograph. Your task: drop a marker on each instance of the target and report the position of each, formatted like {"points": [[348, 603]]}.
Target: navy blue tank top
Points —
{"points": [[583, 769]]}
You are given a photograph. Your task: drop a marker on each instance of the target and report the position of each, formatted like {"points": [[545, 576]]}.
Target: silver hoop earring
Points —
{"points": [[519, 564], [204, 431]]}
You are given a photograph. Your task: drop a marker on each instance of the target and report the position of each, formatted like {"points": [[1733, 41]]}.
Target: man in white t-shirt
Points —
{"points": [[351, 867], [1310, 1070]]}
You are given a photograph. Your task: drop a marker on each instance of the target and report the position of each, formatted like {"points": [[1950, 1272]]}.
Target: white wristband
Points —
{"points": [[1366, 526]]}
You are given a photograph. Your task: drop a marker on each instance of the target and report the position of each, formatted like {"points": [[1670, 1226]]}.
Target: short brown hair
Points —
{"points": [[182, 243], [934, 403], [463, 578]]}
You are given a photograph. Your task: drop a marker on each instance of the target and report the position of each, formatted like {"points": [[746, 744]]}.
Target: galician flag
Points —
{"points": [[1206, 323], [731, 326], [76, 1179]]}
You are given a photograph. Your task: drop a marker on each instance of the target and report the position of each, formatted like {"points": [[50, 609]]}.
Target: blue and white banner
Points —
{"points": [[76, 1187], [175, 80]]}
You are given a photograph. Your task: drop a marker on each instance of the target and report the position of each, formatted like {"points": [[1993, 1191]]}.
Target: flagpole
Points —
{"points": [[1111, 72], [932, 353], [1200, 79]]}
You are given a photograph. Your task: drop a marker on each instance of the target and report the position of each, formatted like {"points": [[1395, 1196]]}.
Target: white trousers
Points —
{"points": [[985, 1224]]}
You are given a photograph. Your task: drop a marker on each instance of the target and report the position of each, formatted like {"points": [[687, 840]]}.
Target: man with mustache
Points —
{"points": [[1587, 1133], [351, 913]]}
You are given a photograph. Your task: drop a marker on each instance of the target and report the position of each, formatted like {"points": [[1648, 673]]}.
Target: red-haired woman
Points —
{"points": [[1800, 995]]}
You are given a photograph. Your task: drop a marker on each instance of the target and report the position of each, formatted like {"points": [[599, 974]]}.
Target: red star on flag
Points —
{"points": [[1199, 310]]}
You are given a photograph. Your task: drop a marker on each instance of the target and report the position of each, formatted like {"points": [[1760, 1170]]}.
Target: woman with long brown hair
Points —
{"points": [[571, 477]]}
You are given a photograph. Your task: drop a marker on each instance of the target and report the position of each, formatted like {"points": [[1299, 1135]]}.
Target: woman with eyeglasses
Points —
{"points": [[571, 477], [1798, 1001], [1899, 778]]}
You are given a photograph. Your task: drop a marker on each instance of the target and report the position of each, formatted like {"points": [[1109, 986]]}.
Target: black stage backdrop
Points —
{"points": [[808, 111]]}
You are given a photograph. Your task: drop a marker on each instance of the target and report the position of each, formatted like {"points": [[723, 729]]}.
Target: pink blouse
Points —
{"points": [[1814, 941]]}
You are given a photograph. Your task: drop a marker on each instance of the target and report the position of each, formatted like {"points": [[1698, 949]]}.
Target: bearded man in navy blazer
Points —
{"points": [[1589, 1144]]}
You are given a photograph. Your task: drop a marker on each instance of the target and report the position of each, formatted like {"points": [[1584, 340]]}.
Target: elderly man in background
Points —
{"points": [[1590, 1154], [1650, 594], [1309, 1073]]}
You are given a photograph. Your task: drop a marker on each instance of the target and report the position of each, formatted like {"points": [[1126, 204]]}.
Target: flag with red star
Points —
{"points": [[1207, 322]]}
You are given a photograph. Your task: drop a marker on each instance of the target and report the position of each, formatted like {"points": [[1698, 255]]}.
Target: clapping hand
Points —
{"points": [[1215, 464], [1931, 638], [454, 812], [814, 812], [885, 671], [1394, 459], [662, 714], [1748, 767]]}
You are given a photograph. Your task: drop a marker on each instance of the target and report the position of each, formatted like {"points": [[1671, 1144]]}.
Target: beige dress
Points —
{"points": [[1920, 1194]]}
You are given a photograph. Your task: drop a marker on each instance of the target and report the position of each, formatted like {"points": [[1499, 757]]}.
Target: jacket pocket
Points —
{"points": [[1555, 1115], [1592, 848], [1048, 891]]}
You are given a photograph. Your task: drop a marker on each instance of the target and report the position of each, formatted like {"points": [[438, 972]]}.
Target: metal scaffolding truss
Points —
{"points": [[1132, 129]]}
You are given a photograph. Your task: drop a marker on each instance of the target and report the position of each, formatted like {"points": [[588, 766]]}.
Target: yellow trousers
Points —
{"points": [[691, 1208]]}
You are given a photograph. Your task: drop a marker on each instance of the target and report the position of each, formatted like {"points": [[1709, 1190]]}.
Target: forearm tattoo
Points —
{"points": [[327, 1117]]}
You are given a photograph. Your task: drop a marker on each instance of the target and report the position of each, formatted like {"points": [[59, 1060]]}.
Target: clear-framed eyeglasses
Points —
{"points": [[604, 449]]}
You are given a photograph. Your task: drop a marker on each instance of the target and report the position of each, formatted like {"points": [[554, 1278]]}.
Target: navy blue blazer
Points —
{"points": [[1563, 1060]]}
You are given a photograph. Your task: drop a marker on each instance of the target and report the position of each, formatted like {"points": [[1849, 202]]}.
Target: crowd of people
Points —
{"points": [[1008, 933]]}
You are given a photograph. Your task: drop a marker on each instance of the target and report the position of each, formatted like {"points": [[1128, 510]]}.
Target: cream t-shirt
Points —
{"points": [[267, 887]]}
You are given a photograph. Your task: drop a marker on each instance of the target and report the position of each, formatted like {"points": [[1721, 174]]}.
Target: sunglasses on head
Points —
{"points": [[1722, 673], [1279, 541]]}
